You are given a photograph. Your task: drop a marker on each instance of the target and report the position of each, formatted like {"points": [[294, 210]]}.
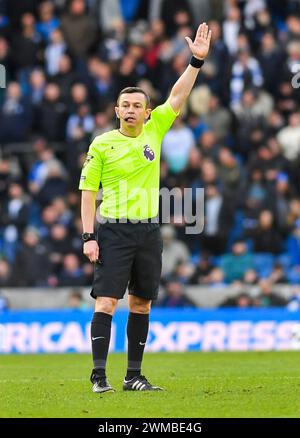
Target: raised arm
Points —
{"points": [[199, 48]]}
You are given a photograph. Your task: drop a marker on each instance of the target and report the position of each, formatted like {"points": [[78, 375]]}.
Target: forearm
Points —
{"points": [[88, 210], [183, 87]]}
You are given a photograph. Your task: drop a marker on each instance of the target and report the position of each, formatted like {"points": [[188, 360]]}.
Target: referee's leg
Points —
{"points": [[100, 335], [137, 331]]}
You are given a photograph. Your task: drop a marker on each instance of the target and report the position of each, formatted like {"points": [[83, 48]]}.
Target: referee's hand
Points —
{"points": [[91, 250]]}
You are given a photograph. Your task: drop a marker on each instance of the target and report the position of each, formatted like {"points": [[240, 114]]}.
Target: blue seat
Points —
{"points": [[285, 261], [293, 275], [263, 263], [217, 260], [195, 258], [237, 230]]}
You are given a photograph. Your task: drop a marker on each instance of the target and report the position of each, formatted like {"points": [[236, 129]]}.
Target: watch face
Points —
{"points": [[88, 236]]}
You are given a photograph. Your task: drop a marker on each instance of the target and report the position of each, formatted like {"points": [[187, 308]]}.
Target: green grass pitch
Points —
{"points": [[250, 384]]}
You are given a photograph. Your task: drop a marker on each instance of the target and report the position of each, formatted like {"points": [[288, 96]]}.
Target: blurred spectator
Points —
{"points": [[218, 118], [246, 73], [37, 86], [217, 65], [4, 305], [254, 200], [5, 59], [215, 278], [293, 245], [175, 13], [15, 210], [9, 171], [286, 100], [26, 46], [278, 275], [64, 213], [177, 145], [65, 76], [57, 244], [175, 296], [102, 124], [268, 298], [183, 272], [109, 15], [265, 236], [45, 164], [14, 218], [237, 262], [270, 57], [289, 138], [229, 171], [48, 22], [241, 301], [54, 52], [71, 274], [78, 28], [218, 221], [250, 277], [203, 269], [32, 261], [208, 145], [6, 279], [231, 28], [250, 117], [80, 125], [174, 251], [76, 301], [52, 114], [293, 304], [15, 111]]}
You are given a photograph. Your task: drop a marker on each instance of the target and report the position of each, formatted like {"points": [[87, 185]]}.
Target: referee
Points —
{"points": [[127, 248]]}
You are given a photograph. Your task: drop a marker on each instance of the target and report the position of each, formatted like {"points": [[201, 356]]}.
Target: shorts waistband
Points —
{"points": [[104, 220]]}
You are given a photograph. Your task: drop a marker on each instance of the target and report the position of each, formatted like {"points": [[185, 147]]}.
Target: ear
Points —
{"points": [[147, 114], [117, 112]]}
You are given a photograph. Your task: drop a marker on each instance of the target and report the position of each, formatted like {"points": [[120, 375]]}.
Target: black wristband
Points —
{"points": [[195, 62], [86, 237]]}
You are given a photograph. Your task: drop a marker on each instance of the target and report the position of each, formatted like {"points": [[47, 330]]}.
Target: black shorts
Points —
{"points": [[130, 255]]}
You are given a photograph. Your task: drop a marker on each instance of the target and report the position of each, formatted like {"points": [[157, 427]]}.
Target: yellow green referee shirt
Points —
{"points": [[128, 168]]}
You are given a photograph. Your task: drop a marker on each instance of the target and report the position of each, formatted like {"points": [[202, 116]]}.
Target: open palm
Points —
{"points": [[200, 46]]}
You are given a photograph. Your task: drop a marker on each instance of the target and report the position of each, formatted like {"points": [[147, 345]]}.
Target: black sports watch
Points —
{"points": [[86, 237]]}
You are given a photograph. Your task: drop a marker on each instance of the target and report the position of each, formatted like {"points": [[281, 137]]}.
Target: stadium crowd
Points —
{"points": [[238, 138]]}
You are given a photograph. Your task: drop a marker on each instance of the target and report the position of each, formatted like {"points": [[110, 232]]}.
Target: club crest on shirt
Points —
{"points": [[148, 153], [88, 159]]}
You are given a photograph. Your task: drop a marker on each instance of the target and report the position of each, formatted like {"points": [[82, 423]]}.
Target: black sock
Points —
{"points": [[137, 331], [100, 334]]}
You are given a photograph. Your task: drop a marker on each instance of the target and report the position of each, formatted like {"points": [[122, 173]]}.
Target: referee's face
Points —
{"points": [[132, 110]]}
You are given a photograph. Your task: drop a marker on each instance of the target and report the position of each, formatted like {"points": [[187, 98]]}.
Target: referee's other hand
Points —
{"points": [[91, 250]]}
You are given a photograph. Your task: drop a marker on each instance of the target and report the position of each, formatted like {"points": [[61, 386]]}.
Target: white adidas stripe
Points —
{"points": [[135, 384], [138, 386]]}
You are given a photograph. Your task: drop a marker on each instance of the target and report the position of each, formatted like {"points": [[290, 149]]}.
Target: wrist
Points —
{"points": [[86, 237], [196, 62]]}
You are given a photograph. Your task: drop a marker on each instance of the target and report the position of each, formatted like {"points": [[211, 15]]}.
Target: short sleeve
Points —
{"points": [[92, 169], [163, 117]]}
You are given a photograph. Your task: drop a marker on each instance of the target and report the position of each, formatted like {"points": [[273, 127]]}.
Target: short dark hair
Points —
{"points": [[131, 90]]}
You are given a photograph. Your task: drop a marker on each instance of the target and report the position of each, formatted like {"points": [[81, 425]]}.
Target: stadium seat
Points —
{"points": [[263, 263]]}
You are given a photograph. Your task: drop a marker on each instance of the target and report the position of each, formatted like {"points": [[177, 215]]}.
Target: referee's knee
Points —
{"points": [[139, 305], [106, 305]]}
